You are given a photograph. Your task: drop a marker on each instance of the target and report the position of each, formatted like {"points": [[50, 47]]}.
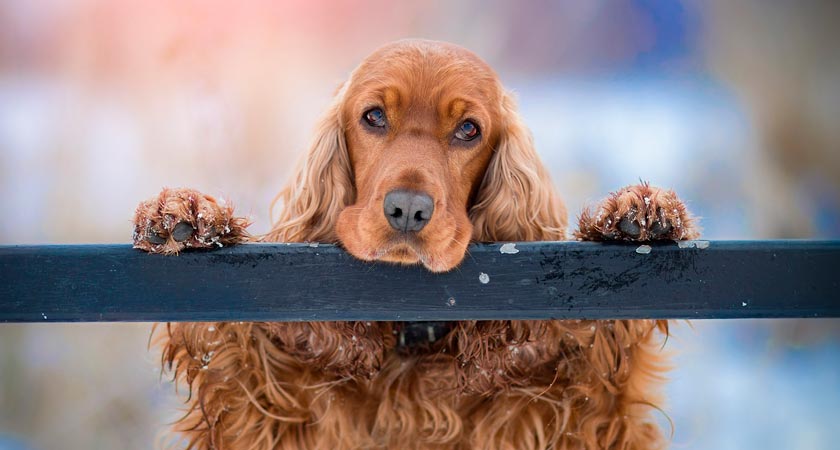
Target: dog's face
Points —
{"points": [[421, 126], [421, 152]]}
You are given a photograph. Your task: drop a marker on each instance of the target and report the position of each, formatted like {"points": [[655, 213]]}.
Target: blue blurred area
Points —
{"points": [[11, 443], [742, 384], [688, 134], [673, 27]]}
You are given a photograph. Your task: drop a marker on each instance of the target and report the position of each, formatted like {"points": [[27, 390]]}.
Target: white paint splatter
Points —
{"points": [[643, 249], [693, 244], [743, 303], [509, 249], [483, 278], [451, 301]]}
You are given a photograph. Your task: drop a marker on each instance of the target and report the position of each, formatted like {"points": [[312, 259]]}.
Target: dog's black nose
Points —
{"points": [[408, 210]]}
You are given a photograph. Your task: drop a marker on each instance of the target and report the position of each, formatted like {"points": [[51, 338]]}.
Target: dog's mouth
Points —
{"points": [[402, 249], [420, 337], [401, 252]]}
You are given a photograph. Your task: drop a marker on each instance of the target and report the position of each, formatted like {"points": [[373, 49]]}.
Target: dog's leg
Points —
{"points": [[634, 213], [594, 388], [178, 219], [256, 386], [638, 213]]}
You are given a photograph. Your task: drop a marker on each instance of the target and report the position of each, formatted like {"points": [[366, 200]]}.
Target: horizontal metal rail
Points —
{"points": [[533, 280]]}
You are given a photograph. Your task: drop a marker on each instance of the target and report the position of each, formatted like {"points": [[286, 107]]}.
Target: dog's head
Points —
{"points": [[421, 152]]}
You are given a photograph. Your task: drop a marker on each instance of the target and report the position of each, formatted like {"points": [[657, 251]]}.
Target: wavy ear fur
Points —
{"points": [[321, 187], [516, 200]]}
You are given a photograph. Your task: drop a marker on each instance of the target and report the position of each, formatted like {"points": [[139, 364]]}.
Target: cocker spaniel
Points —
{"points": [[421, 152]]}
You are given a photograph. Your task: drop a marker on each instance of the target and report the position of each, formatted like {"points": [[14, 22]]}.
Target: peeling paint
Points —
{"points": [[693, 244]]}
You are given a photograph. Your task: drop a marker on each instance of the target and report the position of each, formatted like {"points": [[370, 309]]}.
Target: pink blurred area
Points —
{"points": [[103, 102]]}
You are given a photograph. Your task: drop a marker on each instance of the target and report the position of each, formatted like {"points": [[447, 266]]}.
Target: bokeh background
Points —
{"points": [[733, 104]]}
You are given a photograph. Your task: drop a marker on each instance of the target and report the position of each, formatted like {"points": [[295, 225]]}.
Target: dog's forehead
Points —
{"points": [[420, 50], [425, 67]]}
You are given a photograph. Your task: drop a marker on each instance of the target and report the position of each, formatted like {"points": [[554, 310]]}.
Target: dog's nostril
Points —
{"points": [[418, 216], [397, 213]]}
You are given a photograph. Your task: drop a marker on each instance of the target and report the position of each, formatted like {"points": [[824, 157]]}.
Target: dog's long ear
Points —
{"points": [[321, 187], [516, 200]]}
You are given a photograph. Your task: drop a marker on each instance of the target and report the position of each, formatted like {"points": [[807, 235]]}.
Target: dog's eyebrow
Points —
{"points": [[391, 98], [457, 108]]}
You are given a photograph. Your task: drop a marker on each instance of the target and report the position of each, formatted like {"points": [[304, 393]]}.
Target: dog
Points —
{"points": [[420, 153]]}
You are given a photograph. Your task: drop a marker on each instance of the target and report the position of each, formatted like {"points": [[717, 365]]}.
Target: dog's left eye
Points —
{"points": [[467, 131], [375, 117]]}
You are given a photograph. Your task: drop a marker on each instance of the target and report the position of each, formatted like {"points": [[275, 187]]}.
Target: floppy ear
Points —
{"points": [[516, 200], [321, 187]]}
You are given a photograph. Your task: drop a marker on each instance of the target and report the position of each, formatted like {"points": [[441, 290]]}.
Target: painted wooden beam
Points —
{"points": [[533, 280]]}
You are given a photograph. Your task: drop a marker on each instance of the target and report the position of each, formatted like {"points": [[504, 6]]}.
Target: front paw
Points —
{"points": [[638, 213], [177, 219]]}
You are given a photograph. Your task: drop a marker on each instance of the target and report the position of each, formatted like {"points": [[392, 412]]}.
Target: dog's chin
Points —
{"points": [[401, 254], [406, 253]]}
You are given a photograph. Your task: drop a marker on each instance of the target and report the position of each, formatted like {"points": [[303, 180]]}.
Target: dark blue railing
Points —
{"points": [[533, 280]]}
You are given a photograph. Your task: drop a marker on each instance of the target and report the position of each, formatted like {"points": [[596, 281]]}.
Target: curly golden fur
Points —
{"points": [[492, 385]]}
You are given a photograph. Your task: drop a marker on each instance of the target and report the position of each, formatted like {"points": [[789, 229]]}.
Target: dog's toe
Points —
{"points": [[629, 226], [661, 227], [154, 238], [182, 232]]}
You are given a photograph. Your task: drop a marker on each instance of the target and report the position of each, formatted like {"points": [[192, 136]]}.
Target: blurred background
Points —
{"points": [[733, 104]]}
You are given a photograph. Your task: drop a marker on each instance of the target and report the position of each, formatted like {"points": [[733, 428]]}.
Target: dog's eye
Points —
{"points": [[375, 117], [467, 131]]}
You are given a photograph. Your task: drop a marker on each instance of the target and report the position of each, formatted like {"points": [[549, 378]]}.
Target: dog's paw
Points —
{"points": [[178, 219], [638, 213]]}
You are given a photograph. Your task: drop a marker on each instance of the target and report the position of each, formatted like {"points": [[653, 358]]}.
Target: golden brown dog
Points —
{"points": [[421, 152]]}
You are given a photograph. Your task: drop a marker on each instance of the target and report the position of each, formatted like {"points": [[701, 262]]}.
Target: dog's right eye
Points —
{"points": [[375, 117]]}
